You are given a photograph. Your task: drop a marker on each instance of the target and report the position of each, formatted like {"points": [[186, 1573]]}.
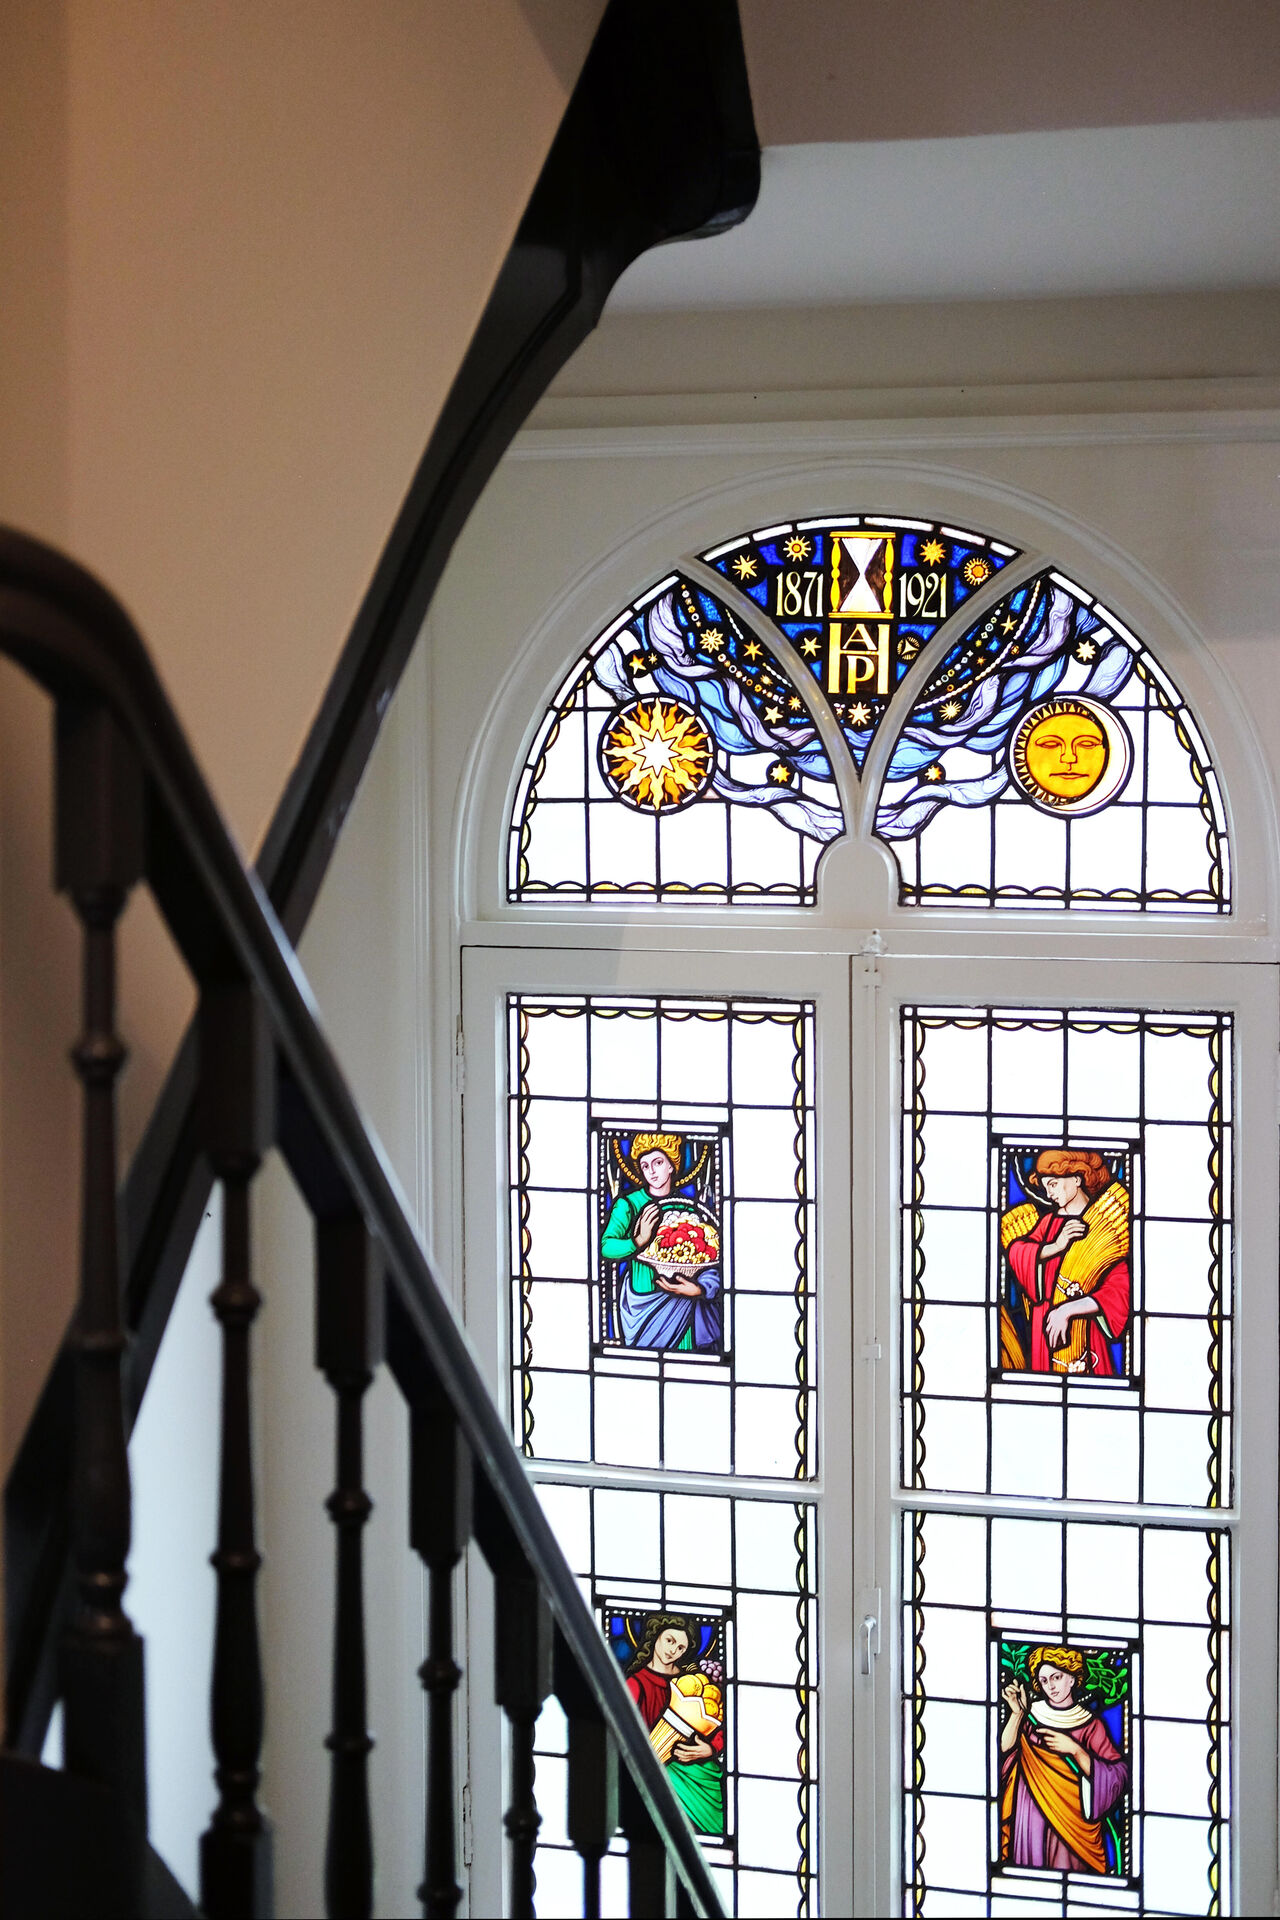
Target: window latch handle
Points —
{"points": [[869, 1633]]}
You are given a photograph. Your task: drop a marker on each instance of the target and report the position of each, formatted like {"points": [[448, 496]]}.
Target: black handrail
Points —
{"points": [[70, 635], [658, 143]]}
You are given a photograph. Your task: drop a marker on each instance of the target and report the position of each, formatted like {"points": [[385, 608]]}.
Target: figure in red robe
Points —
{"points": [[1078, 1302]]}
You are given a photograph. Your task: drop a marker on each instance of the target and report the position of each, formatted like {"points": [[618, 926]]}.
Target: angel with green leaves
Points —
{"points": [[1064, 1778]]}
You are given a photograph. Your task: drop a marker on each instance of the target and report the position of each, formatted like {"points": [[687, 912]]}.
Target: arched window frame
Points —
{"points": [[857, 914]]}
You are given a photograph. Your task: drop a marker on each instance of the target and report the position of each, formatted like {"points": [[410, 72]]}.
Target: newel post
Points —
{"points": [[99, 857]]}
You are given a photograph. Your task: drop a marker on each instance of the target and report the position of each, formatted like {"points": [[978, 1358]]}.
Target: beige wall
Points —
{"points": [[244, 248]]}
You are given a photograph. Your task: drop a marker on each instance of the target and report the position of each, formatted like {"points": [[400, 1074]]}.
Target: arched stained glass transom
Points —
{"points": [[1025, 747]]}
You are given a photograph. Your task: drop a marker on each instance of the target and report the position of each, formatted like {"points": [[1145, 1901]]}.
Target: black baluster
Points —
{"points": [[99, 857], [593, 1801], [523, 1680], [593, 1774], [349, 1293], [235, 1121], [650, 1872], [440, 1491]]}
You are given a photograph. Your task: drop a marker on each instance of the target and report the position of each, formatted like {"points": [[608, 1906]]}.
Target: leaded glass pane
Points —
{"points": [[709, 1604], [1067, 1253], [1049, 761], [661, 1231], [1067, 1705], [859, 596], [679, 759]]}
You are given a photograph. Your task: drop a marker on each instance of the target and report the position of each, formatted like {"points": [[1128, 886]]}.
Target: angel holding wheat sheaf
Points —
{"points": [[1071, 1264]]}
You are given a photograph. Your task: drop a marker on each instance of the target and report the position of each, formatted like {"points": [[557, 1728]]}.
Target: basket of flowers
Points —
{"points": [[686, 1241]]}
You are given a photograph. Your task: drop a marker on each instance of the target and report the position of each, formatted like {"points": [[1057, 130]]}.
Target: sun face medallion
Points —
{"points": [[1071, 755], [656, 755]]}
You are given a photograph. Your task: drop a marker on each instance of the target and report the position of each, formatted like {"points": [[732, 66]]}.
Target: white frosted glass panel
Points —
{"points": [[955, 1150], [1177, 1366], [1031, 849], [561, 1416], [694, 850], [695, 1427], [955, 1438], [563, 762], [1176, 1463], [627, 1422], [956, 1551], [765, 1430], [955, 1739], [955, 849], [955, 1647], [1106, 850], [1176, 1774], [1176, 1862], [955, 1254], [1178, 1067], [763, 1053], [1026, 1449], [1102, 1570], [623, 846], [563, 1310], [1176, 852], [955, 1340], [624, 1057], [1174, 1565], [767, 1819], [766, 1624], [1102, 1454], [1177, 1170], [695, 1064], [1103, 1074], [555, 1148], [764, 1247], [764, 851], [698, 1543], [557, 1051], [955, 1061], [767, 1741], [764, 1153], [557, 845], [955, 1832], [558, 1230], [569, 1511], [1026, 1566], [1177, 1266], [766, 1548], [1026, 1070], [763, 1338], [627, 1536], [1175, 1664]]}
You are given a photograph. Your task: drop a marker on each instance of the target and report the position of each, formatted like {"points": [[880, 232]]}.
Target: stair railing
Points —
{"points": [[131, 807]]}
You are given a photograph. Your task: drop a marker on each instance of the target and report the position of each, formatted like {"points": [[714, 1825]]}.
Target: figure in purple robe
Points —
{"points": [[1061, 1773]]}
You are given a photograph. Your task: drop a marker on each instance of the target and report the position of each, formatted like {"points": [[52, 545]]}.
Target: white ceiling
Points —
{"points": [[999, 216]]}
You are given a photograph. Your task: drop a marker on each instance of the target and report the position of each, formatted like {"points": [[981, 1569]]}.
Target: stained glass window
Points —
{"points": [[1067, 1256], [710, 1606], [678, 759], [1067, 1704], [1049, 761], [859, 597], [661, 1231]]}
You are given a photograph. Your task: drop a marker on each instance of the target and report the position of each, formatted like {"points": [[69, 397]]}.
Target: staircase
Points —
{"points": [[657, 143]]}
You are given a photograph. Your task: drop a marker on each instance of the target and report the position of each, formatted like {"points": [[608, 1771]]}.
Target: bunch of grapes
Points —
{"points": [[713, 1670]]}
